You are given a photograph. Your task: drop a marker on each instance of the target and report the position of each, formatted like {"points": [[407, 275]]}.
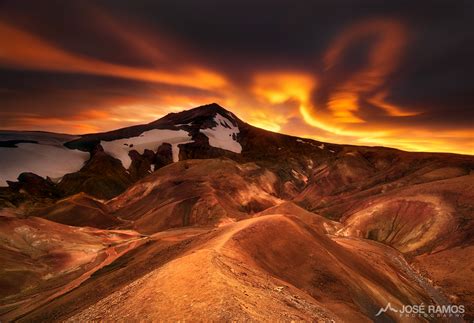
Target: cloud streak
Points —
{"points": [[344, 81], [27, 51]]}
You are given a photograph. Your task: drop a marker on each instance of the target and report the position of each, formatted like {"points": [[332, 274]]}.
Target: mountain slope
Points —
{"points": [[42, 259], [240, 223], [196, 192], [233, 273], [79, 210]]}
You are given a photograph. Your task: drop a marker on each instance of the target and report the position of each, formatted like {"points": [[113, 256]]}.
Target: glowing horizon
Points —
{"points": [[332, 97]]}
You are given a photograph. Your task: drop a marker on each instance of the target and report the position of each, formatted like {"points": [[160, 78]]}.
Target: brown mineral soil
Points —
{"points": [[409, 245], [451, 271], [234, 273], [79, 210], [42, 260]]}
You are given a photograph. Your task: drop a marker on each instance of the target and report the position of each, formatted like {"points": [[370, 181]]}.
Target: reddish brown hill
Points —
{"points": [[420, 218], [79, 210], [236, 274], [196, 192], [42, 260], [315, 221]]}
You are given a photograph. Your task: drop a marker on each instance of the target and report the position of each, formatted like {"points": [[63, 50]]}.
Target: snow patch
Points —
{"points": [[312, 144], [223, 135], [46, 158], [151, 140]]}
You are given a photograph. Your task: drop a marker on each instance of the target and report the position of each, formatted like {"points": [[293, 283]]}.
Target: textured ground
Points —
{"points": [[285, 229]]}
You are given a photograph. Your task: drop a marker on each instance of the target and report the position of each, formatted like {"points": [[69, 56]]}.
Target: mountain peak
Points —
{"points": [[212, 107], [198, 115]]}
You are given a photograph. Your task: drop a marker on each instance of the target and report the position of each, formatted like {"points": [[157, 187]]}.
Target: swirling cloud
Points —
{"points": [[371, 76]]}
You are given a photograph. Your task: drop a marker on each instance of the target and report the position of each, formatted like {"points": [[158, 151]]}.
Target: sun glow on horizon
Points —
{"points": [[276, 100]]}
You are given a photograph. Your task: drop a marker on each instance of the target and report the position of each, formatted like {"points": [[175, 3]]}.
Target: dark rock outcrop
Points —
{"points": [[102, 176], [34, 185]]}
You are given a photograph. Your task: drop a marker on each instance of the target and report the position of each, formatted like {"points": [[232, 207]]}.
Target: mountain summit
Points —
{"points": [[198, 115]]}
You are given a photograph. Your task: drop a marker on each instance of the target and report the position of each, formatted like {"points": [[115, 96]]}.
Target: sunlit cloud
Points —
{"points": [[278, 87], [338, 118], [342, 106], [389, 39], [391, 109], [330, 103], [26, 51]]}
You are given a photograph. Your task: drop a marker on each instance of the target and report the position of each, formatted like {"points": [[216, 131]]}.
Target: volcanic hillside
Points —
{"points": [[199, 215]]}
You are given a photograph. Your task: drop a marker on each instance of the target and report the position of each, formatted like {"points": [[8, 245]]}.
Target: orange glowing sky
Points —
{"points": [[134, 72]]}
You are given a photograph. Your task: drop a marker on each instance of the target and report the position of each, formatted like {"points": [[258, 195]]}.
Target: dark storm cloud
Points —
{"points": [[398, 63], [54, 92], [436, 71], [69, 24], [231, 33], [38, 98]]}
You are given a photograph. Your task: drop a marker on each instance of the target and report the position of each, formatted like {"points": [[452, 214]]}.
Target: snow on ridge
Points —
{"points": [[150, 139], [46, 158], [312, 144], [43, 138], [223, 134]]}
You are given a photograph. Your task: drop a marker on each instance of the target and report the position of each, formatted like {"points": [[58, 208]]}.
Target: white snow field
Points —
{"points": [[151, 140], [47, 158], [222, 135]]}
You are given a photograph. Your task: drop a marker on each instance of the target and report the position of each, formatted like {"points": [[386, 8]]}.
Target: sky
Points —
{"points": [[378, 73]]}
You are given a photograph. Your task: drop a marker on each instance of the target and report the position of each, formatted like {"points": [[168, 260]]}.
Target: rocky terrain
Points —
{"points": [[201, 216]]}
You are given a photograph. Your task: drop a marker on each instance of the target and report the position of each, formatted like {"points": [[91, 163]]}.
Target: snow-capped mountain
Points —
{"points": [[222, 135], [55, 155], [208, 131]]}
